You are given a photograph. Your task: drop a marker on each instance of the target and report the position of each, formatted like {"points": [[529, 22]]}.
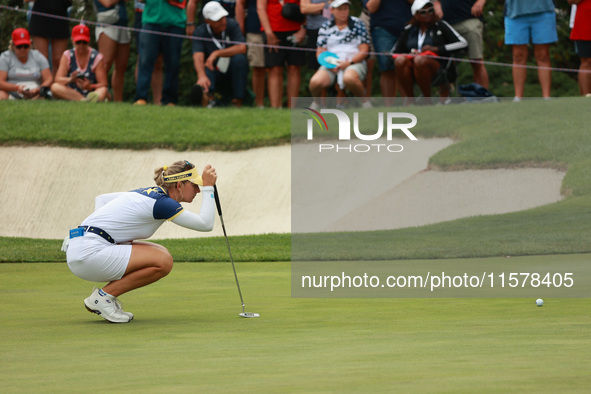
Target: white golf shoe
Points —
{"points": [[120, 309], [107, 307]]}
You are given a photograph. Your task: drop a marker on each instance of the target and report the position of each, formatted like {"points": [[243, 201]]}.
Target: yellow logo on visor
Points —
{"points": [[189, 175]]}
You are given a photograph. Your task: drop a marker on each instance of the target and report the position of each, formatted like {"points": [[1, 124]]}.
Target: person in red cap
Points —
{"points": [[81, 75], [24, 72]]}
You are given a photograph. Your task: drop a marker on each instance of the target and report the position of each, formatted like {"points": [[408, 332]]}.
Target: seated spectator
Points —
{"points": [[81, 75], [24, 72], [113, 41], [217, 56], [346, 37], [425, 33]]}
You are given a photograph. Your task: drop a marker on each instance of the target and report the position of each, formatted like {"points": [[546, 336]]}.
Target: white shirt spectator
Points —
{"points": [[344, 43]]}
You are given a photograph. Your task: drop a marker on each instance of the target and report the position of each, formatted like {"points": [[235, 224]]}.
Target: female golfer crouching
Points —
{"points": [[104, 247]]}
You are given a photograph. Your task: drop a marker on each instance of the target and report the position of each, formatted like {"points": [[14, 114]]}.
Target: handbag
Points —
{"points": [[292, 12], [109, 17]]}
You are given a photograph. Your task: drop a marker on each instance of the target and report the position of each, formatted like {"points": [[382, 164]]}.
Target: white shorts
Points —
{"points": [[121, 36], [359, 68], [92, 258]]}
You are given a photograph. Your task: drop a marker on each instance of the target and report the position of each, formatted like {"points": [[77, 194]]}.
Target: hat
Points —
{"points": [[418, 4], [189, 175], [338, 3], [81, 33], [214, 11], [21, 36]]}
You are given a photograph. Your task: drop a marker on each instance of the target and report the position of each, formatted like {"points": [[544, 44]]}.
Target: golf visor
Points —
{"points": [[189, 175]]}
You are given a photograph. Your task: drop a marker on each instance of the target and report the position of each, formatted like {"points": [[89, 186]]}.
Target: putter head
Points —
{"points": [[248, 314]]}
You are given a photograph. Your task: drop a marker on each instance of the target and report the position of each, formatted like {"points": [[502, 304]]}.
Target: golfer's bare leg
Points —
{"points": [[148, 263]]}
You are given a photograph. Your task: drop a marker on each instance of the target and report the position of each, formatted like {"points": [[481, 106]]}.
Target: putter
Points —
{"points": [[219, 207]]}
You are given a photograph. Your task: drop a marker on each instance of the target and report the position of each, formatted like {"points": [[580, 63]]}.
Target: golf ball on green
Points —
{"points": [[539, 302]]}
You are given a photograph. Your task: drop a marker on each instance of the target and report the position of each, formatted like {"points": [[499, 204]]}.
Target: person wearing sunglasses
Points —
{"points": [[417, 48], [105, 247], [24, 72], [82, 75]]}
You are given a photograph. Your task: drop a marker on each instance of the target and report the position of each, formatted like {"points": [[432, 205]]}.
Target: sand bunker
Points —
{"points": [[46, 190]]}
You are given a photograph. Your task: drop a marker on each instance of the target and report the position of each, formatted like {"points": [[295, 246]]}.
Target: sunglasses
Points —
{"points": [[188, 166], [427, 11], [81, 43], [23, 46]]}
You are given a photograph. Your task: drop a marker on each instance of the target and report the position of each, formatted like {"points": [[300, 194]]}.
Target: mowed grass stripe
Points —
{"points": [[187, 337]]}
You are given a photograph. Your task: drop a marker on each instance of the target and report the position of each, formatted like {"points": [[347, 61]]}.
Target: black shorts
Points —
{"points": [[583, 48], [49, 27], [293, 57]]}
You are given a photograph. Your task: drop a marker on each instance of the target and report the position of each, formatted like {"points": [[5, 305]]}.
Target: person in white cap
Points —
{"points": [[219, 54], [104, 248], [417, 48], [345, 36]]}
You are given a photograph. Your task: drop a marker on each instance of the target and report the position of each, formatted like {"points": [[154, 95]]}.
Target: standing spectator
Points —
{"points": [[581, 35], [248, 19], [81, 75], [281, 32], [347, 38], [165, 25], [534, 21], [387, 18], [156, 82], [217, 56], [425, 33], [465, 16], [113, 42], [50, 31], [24, 72], [371, 60], [317, 12]]}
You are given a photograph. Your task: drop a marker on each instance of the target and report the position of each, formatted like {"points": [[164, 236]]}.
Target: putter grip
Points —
{"points": [[217, 200]]}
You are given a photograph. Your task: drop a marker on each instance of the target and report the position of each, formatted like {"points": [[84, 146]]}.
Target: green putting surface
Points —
{"points": [[187, 337]]}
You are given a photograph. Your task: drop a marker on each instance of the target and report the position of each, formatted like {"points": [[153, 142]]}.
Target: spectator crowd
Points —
{"points": [[411, 42]]}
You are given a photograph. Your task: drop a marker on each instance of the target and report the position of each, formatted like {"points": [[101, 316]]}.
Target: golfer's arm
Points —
{"points": [[205, 219]]}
